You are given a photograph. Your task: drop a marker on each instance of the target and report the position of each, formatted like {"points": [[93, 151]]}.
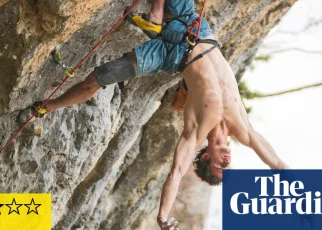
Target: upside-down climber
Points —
{"points": [[181, 40]]}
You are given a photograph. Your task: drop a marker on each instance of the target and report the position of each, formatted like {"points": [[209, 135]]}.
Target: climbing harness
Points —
{"points": [[184, 61], [192, 38], [69, 72]]}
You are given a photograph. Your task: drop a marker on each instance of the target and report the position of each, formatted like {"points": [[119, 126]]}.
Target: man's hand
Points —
{"points": [[165, 224]]}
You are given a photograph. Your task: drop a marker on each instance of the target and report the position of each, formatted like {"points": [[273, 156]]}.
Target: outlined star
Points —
{"points": [[33, 207], [15, 207]]}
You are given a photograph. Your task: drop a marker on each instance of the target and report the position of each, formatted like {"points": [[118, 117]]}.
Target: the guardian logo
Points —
{"points": [[286, 198], [272, 199]]}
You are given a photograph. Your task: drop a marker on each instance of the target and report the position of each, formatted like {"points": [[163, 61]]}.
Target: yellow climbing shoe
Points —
{"points": [[151, 29], [25, 114]]}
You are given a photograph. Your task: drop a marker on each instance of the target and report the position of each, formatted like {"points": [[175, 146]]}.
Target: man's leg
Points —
{"points": [[146, 59], [150, 24], [78, 93], [84, 90], [157, 8], [121, 69], [118, 70]]}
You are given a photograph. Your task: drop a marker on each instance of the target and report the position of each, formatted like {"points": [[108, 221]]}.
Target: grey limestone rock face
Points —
{"points": [[103, 161]]}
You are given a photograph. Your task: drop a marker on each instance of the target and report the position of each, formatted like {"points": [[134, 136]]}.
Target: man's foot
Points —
{"points": [[25, 114], [151, 29]]}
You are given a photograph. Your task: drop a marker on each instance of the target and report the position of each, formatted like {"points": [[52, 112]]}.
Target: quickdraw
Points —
{"points": [[68, 70]]}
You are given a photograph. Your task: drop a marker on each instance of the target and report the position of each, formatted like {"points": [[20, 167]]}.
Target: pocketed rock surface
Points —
{"points": [[103, 161]]}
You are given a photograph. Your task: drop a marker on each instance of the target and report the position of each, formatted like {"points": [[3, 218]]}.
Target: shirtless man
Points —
{"points": [[213, 110]]}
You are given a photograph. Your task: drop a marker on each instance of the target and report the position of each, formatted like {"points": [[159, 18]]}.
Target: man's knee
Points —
{"points": [[90, 83], [118, 70]]}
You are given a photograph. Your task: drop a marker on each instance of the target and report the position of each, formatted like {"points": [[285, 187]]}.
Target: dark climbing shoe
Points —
{"points": [[25, 114], [151, 29]]}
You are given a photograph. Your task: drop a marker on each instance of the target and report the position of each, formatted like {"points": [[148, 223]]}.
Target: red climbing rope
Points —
{"points": [[73, 71], [196, 23]]}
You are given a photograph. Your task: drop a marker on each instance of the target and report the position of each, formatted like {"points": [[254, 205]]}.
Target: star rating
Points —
{"points": [[32, 207], [23, 210], [14, 207]]}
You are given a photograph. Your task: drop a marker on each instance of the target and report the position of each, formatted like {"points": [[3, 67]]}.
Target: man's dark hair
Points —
{"points": [[202, 169]]}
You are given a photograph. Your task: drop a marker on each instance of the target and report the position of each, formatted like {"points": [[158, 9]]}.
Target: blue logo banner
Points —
{"points": [[272, 199]]}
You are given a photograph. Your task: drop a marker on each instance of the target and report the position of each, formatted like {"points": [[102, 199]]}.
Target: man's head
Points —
{"points": [[210, 162]]}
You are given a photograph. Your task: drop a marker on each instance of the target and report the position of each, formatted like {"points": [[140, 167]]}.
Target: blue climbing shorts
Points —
{"points": [[167, 53]]}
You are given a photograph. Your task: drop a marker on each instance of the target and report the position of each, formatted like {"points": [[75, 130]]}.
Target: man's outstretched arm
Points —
{"points": [[183, 157], [265, 151], [246, 135]]}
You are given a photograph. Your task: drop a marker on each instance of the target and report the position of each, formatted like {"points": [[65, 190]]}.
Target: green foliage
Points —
{"points": [[249, 109], [246, 93], [262, 58]]}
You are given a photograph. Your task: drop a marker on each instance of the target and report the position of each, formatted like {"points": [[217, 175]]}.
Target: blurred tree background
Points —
{"points": [[271, 49]]}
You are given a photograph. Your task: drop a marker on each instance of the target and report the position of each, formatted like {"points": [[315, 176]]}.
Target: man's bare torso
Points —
{"points": [[213, 93]]}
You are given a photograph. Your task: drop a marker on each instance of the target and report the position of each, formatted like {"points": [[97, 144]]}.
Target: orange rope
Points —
{"points": [[73, 71], [196, 23]]}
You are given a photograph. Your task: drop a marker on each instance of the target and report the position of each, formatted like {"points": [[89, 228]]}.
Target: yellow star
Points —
{"points": [[0, 207], [14, 207], [32, 207]]}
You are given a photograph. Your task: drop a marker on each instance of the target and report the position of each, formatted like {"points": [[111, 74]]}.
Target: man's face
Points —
{"points": [[220, 158]]}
